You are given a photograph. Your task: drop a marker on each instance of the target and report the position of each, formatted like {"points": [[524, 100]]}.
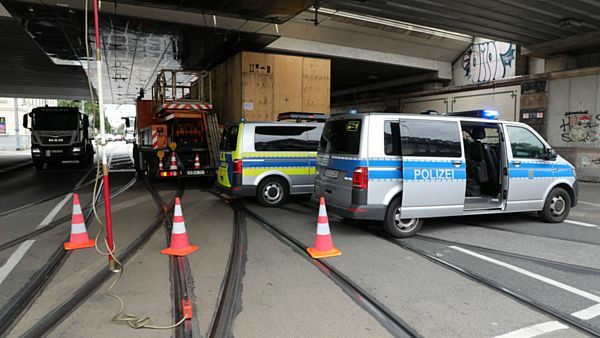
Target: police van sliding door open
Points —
{"points": [[433, 168]]}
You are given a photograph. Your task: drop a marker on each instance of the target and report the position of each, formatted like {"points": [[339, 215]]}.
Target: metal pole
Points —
{"points": [[17, 134], [106, 187]]}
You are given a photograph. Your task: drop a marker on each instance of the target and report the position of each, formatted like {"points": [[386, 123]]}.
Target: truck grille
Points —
{"points": [[56, 139]]}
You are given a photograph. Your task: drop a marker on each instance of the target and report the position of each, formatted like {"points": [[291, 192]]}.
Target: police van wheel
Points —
{"points": [[272, 192], [400, 227], [557, 206]]}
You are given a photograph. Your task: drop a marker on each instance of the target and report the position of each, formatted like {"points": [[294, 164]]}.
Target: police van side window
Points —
{"points": [[430, 138], [524, 144], [391, 135], [284, 138]]}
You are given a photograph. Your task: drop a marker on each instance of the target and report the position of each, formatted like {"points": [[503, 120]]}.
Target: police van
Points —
{"points": [[401, 168], [270, 160]]}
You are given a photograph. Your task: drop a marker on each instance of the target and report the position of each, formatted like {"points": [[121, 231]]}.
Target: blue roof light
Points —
{"points": [[490, 114]]}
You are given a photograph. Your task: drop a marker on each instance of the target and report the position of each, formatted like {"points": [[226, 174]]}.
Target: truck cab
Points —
{"points": [[58, 135]]}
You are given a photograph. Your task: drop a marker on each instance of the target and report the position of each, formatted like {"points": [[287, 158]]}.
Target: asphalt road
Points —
{"points": [[283, 293]]}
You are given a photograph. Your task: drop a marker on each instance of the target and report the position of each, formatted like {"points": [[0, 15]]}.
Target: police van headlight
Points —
{"points": [[76, 149]]}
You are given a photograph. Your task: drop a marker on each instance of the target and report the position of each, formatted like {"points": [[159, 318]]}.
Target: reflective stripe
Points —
{"points": [[178, 228], [77, 228], [322, 228]]}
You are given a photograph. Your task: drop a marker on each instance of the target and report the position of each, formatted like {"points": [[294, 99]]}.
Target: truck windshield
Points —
{"points": [[55, 120]]}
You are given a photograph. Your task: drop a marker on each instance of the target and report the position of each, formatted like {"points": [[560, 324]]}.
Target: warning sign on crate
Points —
{"points": [[260, 68]]}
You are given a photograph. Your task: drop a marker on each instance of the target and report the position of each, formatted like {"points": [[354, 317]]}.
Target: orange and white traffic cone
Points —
{"points": [[323, 243], [180, 245], [173, 165], [79, 237], [197, 162]]}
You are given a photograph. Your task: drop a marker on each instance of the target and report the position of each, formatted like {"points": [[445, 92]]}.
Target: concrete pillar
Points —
{"points": [[17, 125], [560, 62]]}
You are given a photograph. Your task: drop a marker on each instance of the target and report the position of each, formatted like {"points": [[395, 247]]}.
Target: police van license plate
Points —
{"points": [[331, 173], [195, 172]]}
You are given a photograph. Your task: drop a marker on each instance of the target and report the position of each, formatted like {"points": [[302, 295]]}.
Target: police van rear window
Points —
{"points": [[341, 137], [229, 140]]}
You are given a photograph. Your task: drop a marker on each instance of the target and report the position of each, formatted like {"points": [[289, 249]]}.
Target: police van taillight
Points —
{"points": [[237, 167], [360, 178]]}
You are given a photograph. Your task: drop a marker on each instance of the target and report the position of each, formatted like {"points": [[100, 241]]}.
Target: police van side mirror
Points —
{"points": [[25, 121], [550, 154]]}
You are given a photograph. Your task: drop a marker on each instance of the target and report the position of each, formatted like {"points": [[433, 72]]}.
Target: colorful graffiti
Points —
{"points": [[488, 61], [580, 126]]}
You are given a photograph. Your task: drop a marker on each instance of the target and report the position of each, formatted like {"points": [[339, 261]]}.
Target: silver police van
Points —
{"points": [[401, 168]]}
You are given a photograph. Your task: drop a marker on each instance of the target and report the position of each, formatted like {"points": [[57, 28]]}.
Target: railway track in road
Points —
{"points": [[389, 320], [27, 294], [513, 293]]}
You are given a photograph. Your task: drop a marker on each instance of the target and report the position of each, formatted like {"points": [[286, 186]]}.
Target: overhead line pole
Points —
{"points": [[106, 187]]}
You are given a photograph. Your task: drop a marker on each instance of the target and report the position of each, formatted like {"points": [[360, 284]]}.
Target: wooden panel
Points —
{"points": [[287, 79], [257, 86], [316, 85], [143, 113]]}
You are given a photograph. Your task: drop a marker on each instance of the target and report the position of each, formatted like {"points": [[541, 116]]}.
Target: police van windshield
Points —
{"points": [[341, 137], [55, 120]]}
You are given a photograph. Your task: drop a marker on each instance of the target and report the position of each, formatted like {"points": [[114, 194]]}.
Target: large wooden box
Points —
{"points": [[258, 86]]}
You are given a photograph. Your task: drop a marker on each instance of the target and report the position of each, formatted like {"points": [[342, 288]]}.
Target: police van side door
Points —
{"points": [[433, 168], [529, 173]]}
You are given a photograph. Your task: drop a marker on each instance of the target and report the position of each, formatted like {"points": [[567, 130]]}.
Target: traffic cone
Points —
{"points": [[197, 162], [79, 237], [323, 243], [180, 245], [173, 165]]}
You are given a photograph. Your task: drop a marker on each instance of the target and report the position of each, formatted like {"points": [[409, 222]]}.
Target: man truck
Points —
{"points": [[58, 135]]}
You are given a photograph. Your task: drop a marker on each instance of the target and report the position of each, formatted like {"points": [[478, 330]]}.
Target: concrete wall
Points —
{"points": [[573, 122], [485, 60]]}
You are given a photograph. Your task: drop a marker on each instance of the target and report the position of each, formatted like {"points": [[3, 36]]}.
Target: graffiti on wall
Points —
{"points": [[590, 161], [580, 126], [488, 61]]}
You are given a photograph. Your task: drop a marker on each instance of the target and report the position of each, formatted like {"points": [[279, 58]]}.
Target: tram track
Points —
{"points": [[480, 279], [388, 319], [59, 313]]}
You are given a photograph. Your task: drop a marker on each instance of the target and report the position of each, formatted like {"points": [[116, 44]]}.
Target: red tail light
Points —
{"points": [[237, 167], [360, 178]]}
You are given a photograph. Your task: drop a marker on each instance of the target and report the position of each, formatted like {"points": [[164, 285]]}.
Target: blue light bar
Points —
{"points": [[490, 114]]}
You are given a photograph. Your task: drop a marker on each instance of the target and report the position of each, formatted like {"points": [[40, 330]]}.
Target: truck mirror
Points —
{"points": [[86, 122], [25, 121], [127, 124]]}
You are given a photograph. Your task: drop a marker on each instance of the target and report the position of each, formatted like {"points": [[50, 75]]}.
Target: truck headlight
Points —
{"points": [[35, 150], [76, 149]]}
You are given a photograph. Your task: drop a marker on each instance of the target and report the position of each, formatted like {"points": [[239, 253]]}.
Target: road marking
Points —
{"points": [[535, 330], [541, 278], [14, 259], [589, 203], [589, 313], [20, 252], [583, 224]]}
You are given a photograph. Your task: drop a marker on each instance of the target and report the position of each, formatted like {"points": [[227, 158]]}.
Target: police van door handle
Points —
{"points": [[517, 163], [456, 163]]}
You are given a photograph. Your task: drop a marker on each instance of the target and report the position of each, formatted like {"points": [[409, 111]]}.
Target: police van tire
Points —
{"points": [[272, 191], [557, 206], [397, 227]]}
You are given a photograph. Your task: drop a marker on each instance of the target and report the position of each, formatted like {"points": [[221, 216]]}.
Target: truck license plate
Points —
{"points": [[195, 172], [331, 173]]}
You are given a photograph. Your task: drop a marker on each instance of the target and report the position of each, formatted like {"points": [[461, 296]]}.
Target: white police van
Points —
{"points": [[401, 168]]}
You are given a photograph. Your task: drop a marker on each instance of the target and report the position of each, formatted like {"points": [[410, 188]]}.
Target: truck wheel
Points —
{"points": [[557, 206], [272, 192], [39, 165], [400, 227]]}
